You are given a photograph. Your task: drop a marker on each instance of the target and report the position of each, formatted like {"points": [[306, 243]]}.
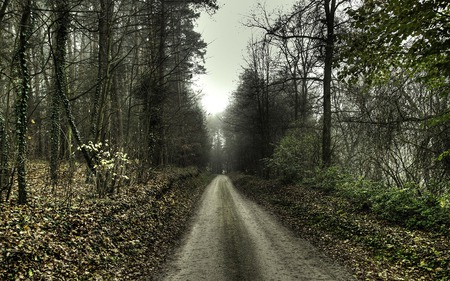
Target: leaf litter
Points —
{"points": [[123, 237]]}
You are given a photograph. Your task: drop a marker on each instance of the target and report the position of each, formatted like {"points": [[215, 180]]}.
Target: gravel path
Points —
{"points": [[232, 238]]}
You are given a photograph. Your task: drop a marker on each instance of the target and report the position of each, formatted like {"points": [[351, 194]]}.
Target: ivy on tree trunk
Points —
{"points": [[22, 100]]}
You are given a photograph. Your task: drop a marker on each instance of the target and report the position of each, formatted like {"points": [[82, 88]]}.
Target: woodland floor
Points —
{"points": [[68, 234], [369, 247]]}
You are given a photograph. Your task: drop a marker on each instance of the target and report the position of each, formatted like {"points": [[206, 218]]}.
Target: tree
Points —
{"points": [[172, 52], [60, 82], [103, 83], [142, 56], [330, 7], [4, 171], [410, 35], [8, 77], [217, 160], [244, 139], [256, 117], [22, 99], [324, 14]]}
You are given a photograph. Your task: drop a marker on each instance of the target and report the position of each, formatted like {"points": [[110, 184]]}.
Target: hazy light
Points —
{"points": [[213, 104], [227, 40], [214, 97]]}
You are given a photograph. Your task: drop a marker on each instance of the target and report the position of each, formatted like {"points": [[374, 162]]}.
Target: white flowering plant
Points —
{"points": [[110, 167]]}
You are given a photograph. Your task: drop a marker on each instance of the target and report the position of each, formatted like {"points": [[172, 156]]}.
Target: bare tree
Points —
{"points": [[324, 14]]}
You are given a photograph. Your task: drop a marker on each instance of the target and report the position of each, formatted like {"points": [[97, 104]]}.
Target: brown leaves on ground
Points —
{"points": [[370, 247], [126, 237]]}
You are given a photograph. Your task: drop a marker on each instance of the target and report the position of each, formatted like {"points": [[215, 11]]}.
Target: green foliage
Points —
{"points": [[443, 155], [328, 179], [296, 156], [360, 192], [410, 206], [410, 34], [397, 205]]}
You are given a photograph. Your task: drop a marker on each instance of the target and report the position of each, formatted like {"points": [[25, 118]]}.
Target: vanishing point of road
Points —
{"points": [[232, 238]]}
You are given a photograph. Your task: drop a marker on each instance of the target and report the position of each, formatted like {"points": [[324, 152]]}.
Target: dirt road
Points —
{"points": [[234, 239]]}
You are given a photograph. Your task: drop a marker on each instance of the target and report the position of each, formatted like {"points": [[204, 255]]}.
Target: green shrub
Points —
{"points": [[327, 180], [360, 192], [413, 209], [397, 205], [410, 206], [296, 156]]}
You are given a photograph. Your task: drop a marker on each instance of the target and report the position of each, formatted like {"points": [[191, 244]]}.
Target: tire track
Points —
{"points": [[232, 238]]}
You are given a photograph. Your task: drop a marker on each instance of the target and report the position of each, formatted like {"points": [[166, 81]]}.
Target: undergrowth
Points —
{"points": [[410, 205]]}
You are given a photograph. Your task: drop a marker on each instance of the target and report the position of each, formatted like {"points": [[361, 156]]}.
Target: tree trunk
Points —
{"points": [[22, 100], [3, 10], [6, 180], [3, 158], [76, 134], [103, 76], [157, 105], [59, 61], [117, 112], [330, 8]]}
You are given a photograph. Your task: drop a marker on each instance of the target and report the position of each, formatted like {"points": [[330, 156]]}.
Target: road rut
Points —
{"points": [[232, 238]]}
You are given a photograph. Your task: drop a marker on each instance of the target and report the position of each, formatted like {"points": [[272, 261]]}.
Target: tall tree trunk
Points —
{"points": [[59, 61], [22, 100], [330, 9], [104, 64], [157, 105], [66, 105], [304, 112], [6, 181], [296, 94]]}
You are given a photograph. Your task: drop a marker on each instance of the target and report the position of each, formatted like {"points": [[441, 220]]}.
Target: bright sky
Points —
{"points": [[227, 39]]}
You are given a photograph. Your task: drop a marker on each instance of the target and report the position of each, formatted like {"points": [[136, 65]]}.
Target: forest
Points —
{"points": [[347, 95], [102, 82], [95, 101], [98, 116]]}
